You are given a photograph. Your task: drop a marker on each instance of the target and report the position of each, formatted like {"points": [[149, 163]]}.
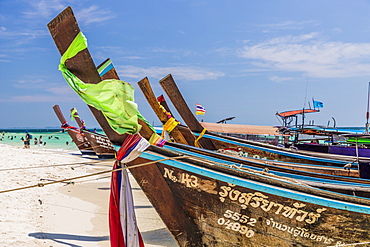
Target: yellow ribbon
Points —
{"points": [[169, 125], [156, 140], [200, 136], [164, 110], [153, 138]]}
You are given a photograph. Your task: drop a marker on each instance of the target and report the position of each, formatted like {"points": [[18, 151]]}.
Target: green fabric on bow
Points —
{"points": [[114, 98], [74, 114]]}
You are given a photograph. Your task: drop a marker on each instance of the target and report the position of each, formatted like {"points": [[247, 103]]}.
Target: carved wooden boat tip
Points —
{"points": [[166, 77]]}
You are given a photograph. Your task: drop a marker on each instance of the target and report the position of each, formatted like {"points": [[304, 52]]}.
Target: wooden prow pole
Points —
{"points": [[169, 86], [77, 118], [64, 29], [147, 90], [59, 114]]}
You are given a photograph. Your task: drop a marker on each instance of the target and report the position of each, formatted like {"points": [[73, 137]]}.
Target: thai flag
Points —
{"points": [[200, 110], [122, 220]]}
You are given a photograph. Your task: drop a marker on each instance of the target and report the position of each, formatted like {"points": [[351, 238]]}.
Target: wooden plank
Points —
{"points": [[163, 103], [169, 86], [185, 131], [63, 30], [59, 114], [147, 90]]}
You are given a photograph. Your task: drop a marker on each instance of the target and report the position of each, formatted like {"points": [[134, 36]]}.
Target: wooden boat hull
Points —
{"points": [[76, 135], [250, 148], [313, 148], [350, 151], [229, 210], [101, 145], [265, 151], [338, 150], [336, 182], [81, 142]]}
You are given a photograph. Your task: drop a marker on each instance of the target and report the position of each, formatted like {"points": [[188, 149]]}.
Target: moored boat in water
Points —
{"points": [[79, 139], [101, 145], [255, 149], [323, 139]]}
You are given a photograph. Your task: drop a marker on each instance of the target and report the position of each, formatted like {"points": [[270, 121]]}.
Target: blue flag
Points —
{"points": [[318, 104]]}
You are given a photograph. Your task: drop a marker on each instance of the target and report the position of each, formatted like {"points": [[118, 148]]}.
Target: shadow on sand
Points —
{"points": [[63, 238], [161, 237]]}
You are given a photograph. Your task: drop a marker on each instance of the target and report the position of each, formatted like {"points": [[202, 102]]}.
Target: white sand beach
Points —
{"points": [[64, 214]]}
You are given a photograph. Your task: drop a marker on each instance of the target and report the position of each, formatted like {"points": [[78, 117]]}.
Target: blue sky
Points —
{"points": [[248, 59]]}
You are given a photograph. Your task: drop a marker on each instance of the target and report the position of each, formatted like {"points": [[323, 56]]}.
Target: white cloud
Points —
{"points": [[290, 39], [42, 84], [93, 14], [176, 52], [183, 73], [44, 8], [49, 8], [41, 91], [42, 98], [311, 55], [279, 79], [61, 90], [286, 25], [5, 33], [133, 57], [115, 50], [4, 60]]}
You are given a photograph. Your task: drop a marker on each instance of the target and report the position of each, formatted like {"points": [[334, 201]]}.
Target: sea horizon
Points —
{"points": [[58, 139], [52, 138]]}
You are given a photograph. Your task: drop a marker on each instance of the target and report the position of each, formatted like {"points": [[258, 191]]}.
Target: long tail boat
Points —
{"points": [[312, 175], [76, 135], [235, 146], [313, 133], [252, 148], [357, 187], [185, 136], [207, 203], [335, 180], [100, 143]]}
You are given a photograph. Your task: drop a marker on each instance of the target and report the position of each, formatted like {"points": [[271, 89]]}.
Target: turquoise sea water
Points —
{"points": [[57, 138], [52, 138]]}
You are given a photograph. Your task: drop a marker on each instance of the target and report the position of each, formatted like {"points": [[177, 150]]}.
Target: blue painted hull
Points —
{"points": [[229, 207], [350, 151], [266, 151]]}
